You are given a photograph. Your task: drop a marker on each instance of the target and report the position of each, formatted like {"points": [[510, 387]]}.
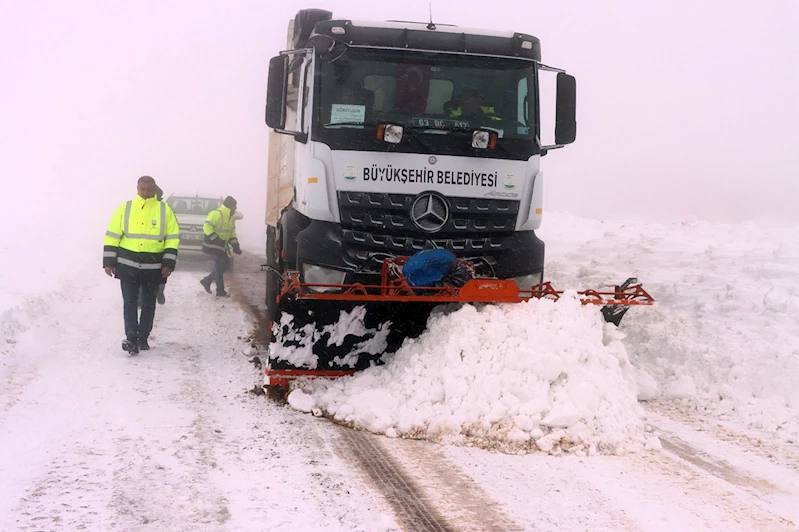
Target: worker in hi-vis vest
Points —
{"points": [[220, 238], [472, 107], [141, 249]]}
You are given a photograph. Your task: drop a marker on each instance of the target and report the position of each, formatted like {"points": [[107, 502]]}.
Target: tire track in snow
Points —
{"points": [[719, 468], [676, 478], [763, 471], [412, 508], [456, 495], [763, 445]]}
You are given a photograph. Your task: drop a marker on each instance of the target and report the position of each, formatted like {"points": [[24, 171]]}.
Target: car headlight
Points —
{"points": [[314, 274], [526, 282]]}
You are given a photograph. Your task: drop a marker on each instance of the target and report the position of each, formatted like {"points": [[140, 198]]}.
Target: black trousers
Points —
{"points": [[138, 327]]}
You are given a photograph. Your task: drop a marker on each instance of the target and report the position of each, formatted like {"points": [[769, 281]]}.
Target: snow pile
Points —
{"points": [[532, 376], [724, 338]]}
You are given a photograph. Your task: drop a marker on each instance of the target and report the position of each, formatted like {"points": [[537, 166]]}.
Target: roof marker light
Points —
{"points": [[337, 30], [527, 45]]}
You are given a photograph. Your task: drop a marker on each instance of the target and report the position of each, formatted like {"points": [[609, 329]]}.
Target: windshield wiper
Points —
{"points": [[429, 130], [362, 124], [459, 131]]}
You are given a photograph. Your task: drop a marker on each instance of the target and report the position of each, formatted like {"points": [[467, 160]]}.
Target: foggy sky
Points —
{"points": [[685, 109]]}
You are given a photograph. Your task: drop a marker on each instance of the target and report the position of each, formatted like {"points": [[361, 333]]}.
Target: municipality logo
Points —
{"points": [[510, 181]]}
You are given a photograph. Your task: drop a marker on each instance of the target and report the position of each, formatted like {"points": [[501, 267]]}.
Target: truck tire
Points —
{"points": [[272, 280], [291, 223]]}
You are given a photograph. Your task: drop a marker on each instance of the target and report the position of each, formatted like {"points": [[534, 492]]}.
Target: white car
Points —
{"points": [[191, 212]]}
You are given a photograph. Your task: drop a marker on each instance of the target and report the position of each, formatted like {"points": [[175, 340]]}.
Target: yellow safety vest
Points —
{"points": [[219, 223], [143, 236], [488, 113]]}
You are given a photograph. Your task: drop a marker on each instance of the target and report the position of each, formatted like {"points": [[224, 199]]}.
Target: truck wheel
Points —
{"points": [[272, 280]]}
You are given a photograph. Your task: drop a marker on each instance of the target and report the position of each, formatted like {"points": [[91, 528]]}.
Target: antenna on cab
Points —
{"points": [[431, 26]]}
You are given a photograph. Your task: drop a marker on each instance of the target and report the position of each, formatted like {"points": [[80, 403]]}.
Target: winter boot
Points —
{"points": [[131, 346], [223, 294], [143, 345], [207, 285]]}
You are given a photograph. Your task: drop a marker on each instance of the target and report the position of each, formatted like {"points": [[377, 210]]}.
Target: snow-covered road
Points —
{"points": [[91, 439]]}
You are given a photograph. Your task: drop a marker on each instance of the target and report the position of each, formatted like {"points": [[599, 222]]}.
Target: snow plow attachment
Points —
{"points": [[335, 330]]}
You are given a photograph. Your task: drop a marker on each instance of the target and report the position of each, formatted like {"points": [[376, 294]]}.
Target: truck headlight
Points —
{"points": [[392, 134], [526, 282], [480, 139], [483, 140], [314, 274]]}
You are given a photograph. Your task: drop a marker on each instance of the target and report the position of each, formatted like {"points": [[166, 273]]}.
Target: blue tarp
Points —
{"points": [[428, 267]]}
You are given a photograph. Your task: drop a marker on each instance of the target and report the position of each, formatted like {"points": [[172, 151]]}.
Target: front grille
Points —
{"points": [[376, 224], [189, 228]]}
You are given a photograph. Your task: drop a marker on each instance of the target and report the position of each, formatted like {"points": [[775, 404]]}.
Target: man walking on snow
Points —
{"points": [[160, 297], [220, 237], [140, 249]]}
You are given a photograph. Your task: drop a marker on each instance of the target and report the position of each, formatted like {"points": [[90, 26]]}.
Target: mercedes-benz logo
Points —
{"points": [[432, 159], [430, 212]]}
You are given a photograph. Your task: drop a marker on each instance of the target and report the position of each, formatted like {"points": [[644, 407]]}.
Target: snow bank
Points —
{"points": [[538, 375], [723, 340]]}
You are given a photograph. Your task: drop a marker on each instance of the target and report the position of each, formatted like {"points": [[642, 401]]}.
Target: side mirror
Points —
{"points": [[276, 92], [566, 109]]}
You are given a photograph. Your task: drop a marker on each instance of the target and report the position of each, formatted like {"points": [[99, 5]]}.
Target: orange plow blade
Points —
{"points": [[334, 330]]}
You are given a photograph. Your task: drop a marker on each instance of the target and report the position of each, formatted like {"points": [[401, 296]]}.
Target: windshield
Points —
{"points": [[438, 98], [187, 205]]}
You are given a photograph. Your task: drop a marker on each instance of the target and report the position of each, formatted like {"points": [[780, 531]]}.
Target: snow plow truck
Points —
{"points": [[404, 173]]}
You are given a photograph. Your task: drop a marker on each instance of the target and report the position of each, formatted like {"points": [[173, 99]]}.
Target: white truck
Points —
{"points": [[389, 138]]}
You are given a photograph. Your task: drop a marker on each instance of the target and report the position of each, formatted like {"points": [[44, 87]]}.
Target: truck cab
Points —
{"points": [[389, 138]]}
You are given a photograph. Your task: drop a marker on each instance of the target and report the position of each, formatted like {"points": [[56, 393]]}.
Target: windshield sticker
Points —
{"points": [[390, 174], [343, 113]]}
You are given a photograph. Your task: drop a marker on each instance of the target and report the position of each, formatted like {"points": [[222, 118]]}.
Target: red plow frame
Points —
{"points": [[394, 288]]}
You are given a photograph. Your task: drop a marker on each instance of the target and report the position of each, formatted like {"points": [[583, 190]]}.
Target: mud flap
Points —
{"points": [[329, 336]]}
